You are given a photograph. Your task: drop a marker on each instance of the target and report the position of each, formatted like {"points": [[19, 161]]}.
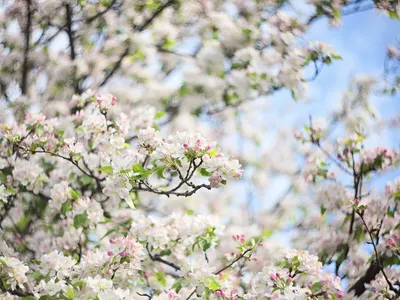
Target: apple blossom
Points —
{"points": [[112, 184]]}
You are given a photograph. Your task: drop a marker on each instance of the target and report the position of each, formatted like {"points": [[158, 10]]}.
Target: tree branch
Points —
{"points": [[142, 27], [25, 64], [98, 15], [377, 257], [72, 52], [159, 259]]}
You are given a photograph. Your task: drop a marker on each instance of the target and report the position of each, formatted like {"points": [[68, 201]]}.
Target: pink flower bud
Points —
{"points": [[242, 238], [297, 134], [390, 242]]}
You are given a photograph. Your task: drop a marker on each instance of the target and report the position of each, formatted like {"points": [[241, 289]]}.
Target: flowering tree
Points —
{"points": [[113, 196]]}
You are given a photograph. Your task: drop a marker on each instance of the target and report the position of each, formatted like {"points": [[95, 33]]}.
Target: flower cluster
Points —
{"points": [[13, 272], [298, 275], [107, 196]]}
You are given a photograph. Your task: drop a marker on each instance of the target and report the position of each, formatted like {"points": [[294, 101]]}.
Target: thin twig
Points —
{"points": [[378, 259]]}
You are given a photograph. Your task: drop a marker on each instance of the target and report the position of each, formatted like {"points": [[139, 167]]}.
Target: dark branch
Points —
{"points": [[156, 13], [142, 27], [359, 287], [98, 15], [27, 32], [159, 259], [71, 40]]}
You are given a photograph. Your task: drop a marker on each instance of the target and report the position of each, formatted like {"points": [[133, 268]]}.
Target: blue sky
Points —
{"points": [[361, 40]]}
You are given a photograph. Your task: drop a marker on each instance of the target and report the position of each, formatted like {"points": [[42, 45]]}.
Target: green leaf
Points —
{"points": [[294, 96], [79, 284], [23, 223], [5, 284], [327, 60], [396, 194], [70, 292], [205, 244], [179, 163], [130, 202], [36, 275], [75, 157], [189, 212], [213, 152], [66, 207], [322, 209], [160, 171], [125, 259], [75, 194], [213, 285], [204, 172], [393, 15], [106, 169], [168, 44], [267, 232], [11, 190], [165, 252], [80, 220], [159, 114], [184, 90], [316, 287], [90, 144], [85, 180], [392, 260], [344, 250], [359, 234], [177, 285], [336, 56], [337, 14], [140, 172], [161, 278], [109, 232], [36, 262]]}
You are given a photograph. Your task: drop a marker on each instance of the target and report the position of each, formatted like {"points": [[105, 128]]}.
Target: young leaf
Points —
{"points": [[106, 169], [213, 285], [80, 220], [204, 172], [161, 278], [130, 202], [160, 171], [75, 194]]}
